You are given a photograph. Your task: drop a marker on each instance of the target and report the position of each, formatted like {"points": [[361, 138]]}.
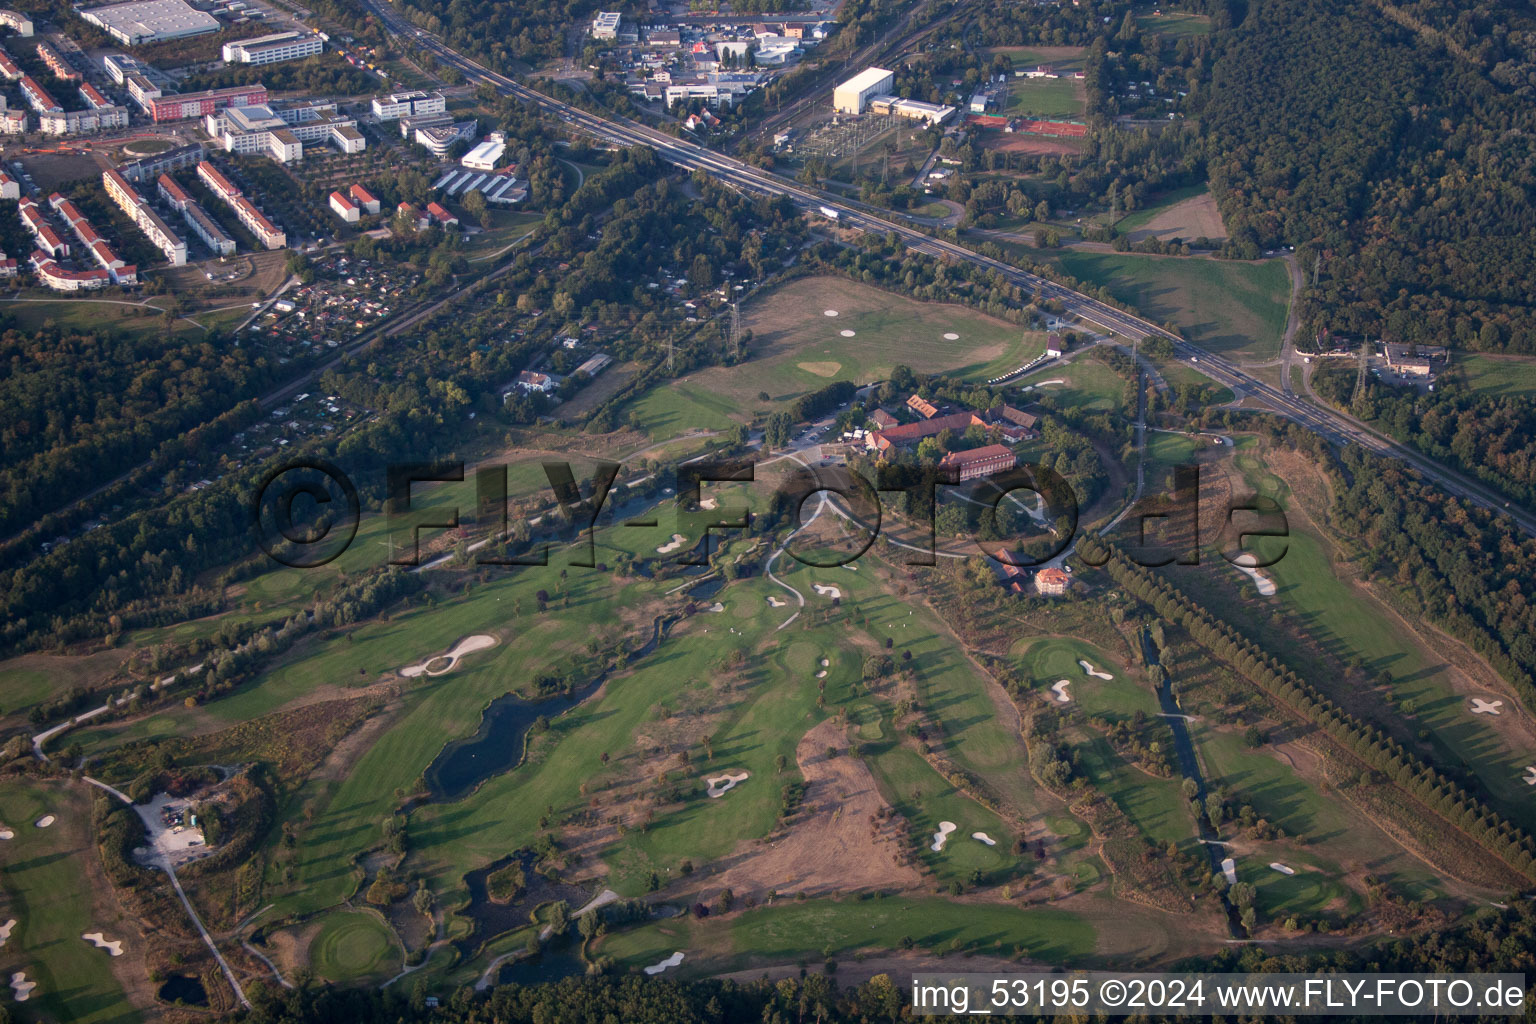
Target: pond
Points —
{"points": [[179, 988], [497, 745]]}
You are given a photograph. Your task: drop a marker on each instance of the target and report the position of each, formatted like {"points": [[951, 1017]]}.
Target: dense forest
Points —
{"points": [[1491, 437], [77, 406], [1397, 146]]}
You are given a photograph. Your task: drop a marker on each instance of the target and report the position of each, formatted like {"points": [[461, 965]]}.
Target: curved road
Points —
{"points": [[1331, 425]]}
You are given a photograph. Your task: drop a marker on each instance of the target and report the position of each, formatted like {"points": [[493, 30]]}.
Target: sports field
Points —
{"points": [[1045, 97], [1173, 24]]}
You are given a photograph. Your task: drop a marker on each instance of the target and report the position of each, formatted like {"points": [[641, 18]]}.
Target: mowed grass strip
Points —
{"points": [[781, 933], [1237, 309], [1498, 376]]}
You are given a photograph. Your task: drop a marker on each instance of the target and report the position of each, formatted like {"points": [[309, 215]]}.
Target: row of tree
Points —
{"points": [[1434, 792]]}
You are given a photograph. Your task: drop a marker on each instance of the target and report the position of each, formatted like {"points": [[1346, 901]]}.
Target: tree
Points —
{"points": [[476, 206]]}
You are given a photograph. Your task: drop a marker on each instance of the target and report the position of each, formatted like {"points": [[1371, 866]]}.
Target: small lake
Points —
{"points": [[182, 989], [498, 745], [492, 918]]}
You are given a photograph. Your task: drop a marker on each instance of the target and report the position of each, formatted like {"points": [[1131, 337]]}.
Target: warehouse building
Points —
{"points": [[149, 21], [852, 95]]}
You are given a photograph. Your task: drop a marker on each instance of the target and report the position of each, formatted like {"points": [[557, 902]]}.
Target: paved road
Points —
{"points": [[1326, 422]]}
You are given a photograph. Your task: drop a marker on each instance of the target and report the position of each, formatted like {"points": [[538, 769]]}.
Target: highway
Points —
{"points": [[1330, 424]]}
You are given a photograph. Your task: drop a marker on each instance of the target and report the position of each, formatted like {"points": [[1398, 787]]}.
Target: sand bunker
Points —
{"points": [[437, 665], [22, 987], [6, 833], [1283, 869], [45, 821], [951, 336], [708, 504], [774, 602], [5, 932], [1060, 687], [678, 540], [1229, 868], [825, 663], [1486, 707], [1530, 775], [822, 674], [1088, 667], [829, 312], [719, 785], [826, 590], [1244, 564], [983, 838], [942, 835], [846, 334], [717, 607], [671, 961], [113, 948]]}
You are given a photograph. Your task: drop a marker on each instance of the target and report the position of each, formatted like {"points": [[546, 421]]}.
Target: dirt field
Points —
{"points": [[1003, 142], [833, 848], [1196, 217], [257, 275], [55, 170]]}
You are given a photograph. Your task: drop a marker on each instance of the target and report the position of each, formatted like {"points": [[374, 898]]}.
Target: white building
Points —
{"points": [[267, 233], [274, 48], [149, 21], [120, 65], [850, 97], [197, 218], [10, 188], [408, 104], [487, 155], [932, 113], [20, 23], [606, 25], [345, 209], [281, 132], [82, 122], [439, 139]]}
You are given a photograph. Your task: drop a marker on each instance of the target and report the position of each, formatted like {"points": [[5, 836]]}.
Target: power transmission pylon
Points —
{"points": [[1365, 355]]}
